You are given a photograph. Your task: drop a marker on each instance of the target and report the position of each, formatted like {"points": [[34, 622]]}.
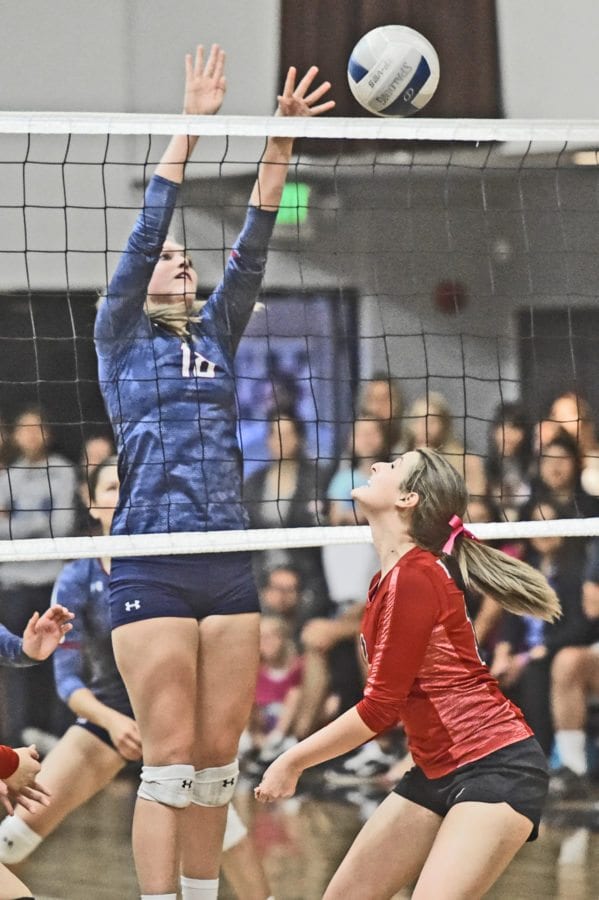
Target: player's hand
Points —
{"points": [[5, 798], [30, 797], [300, 100], [43, 634], [125, 736], [27, 770], [279, 780], [205, 82]]}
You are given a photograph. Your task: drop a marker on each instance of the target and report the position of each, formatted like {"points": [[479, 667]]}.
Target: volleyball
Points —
{"points": [[393, 71]]}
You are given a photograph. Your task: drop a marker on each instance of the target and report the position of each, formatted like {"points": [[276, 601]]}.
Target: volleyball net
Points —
{"points": [[455, 260]]}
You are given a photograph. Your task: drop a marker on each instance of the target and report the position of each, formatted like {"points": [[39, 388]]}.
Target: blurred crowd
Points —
{"points": [[312, 598]]}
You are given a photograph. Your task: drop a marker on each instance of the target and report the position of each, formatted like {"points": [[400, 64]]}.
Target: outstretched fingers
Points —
{"points": [[319, 92], [306, 81], [215, 65], [300, 99], [289, 86]]}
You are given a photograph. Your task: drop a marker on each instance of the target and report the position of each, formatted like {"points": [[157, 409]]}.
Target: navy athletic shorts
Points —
{"points": [[188, 587], [516, 774], [96, 730]]}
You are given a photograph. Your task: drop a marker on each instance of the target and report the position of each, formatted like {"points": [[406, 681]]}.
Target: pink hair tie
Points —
{"points": [[457, 528]]}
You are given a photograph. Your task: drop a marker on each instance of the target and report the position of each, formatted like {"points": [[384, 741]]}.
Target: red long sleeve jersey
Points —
{"points": [[9, 761], [425, 671]]}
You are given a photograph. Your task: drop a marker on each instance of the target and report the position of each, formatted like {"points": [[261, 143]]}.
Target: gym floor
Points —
{"points": [[301, 842]]}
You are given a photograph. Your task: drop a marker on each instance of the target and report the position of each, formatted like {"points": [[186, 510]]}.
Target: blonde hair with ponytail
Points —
{"points": [[515, 585]]}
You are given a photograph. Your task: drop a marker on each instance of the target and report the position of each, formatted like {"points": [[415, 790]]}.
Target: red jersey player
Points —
{"points": [[480, 778]]}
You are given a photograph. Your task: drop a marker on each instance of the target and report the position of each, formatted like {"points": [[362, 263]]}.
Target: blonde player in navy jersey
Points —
{"points": [[105, 736], [185, 629]]}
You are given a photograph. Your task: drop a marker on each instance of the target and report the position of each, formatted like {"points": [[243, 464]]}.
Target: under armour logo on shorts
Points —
{"points": [[186, 784], [228, 781], [133, 604]]}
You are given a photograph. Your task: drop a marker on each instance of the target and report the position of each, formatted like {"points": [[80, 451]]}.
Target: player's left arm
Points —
{"points": [[296, 100]]}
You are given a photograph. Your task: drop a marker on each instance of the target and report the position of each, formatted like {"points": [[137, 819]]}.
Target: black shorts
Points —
{"points": [[516, 774]]}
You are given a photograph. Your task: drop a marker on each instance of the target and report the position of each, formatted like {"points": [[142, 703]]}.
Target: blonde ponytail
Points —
{"points": [[515, 585]]}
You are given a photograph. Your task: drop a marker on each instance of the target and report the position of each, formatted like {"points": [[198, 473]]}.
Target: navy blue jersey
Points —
{"points": [[86, 659], [11, 650], [172, 402]]}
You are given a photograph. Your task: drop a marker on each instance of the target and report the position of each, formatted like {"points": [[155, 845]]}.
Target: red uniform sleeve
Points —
{"points": [[404, 628], [9, 761]]}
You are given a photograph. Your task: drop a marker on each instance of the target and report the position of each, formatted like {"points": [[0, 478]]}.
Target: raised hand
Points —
{"points": [[43, 634], [205, 82], [300, 100]]}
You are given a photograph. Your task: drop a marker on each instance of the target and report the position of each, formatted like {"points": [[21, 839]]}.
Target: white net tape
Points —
{"points": [[473, 130], [258, 539]]}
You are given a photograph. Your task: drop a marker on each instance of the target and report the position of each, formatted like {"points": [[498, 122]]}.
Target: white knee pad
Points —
{"points": [[235, 830], [17, 840], [216, 786], [171, 785]]}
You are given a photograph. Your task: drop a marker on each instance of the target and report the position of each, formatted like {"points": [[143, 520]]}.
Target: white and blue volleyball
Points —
{"points": [[393, 71]]}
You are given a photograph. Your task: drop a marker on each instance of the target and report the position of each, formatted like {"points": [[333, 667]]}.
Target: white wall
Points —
{"points": [[548, 58], [127, 55]]}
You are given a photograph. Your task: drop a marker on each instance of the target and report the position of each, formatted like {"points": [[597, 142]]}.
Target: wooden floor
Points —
{"points": [[300, 841]]}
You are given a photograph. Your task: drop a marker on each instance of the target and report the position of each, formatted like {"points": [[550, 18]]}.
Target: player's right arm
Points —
{"points": [[406, 623], [122, 729], [69, 668], [11, 650], [120, 309]]}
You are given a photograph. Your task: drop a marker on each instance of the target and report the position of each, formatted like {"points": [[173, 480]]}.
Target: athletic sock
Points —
{"points": [[158, 897], [199, 888], [571, 746]]}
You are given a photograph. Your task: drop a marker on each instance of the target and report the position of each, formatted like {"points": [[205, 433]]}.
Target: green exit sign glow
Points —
{"points": [[294, 204]]}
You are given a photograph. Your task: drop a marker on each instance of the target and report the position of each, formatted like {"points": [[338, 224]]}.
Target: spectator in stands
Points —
{"points": [[37, 499], [285, 494], [558, 480], [97, 447], [574, 680], [6, 448], [573, 413], [282, 594], [431, 424], [366, 445], [278, 692], [528, 650], [333, 671], [381, 399], [509, 461]]}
